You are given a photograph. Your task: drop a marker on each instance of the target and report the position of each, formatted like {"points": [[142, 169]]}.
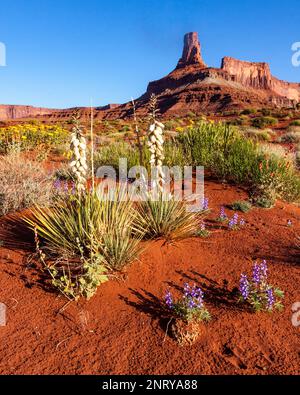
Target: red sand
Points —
{"points": [[119, 331]]}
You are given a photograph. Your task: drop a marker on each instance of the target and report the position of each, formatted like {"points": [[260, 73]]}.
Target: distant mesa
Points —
{"points": [[192, 86]]}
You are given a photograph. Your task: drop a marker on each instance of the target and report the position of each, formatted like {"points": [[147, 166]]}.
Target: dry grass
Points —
{"points": [[23, 183]]}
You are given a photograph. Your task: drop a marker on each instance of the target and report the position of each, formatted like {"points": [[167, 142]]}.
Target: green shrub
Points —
{"points": [[263, 122], [109, 155], [243, 206], [296, 122], [249, 111], [230, 156], [266, 112]]}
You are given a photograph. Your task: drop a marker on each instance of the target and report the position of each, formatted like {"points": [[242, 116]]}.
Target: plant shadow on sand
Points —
{"points": [[15, 236], [214, 294], [149, 304]]}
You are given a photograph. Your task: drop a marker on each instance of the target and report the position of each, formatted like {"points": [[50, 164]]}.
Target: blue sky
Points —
{"points": [[60, 53]]}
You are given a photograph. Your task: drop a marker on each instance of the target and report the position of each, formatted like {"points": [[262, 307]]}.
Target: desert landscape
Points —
{"points": [[146, 286]]}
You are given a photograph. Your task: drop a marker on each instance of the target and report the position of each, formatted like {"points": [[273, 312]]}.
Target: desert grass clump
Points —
{"points": [[167, 218], [291, 137], [258, 134], [23, 184]]}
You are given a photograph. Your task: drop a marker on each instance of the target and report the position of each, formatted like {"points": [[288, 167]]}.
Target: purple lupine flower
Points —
{"points": [[222, 213], [169, 300], [191, 303], [235, 218], [57, 184], [66, 187], [205, 204], [73, 188], [187, 290], [234, 221], [264, 268], [244, 286], [271, 299], [256, 274], [242, 222]]}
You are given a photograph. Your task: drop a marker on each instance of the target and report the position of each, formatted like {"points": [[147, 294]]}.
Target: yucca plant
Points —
{"points": [[82, 235], [121, 233], [167, 218]]}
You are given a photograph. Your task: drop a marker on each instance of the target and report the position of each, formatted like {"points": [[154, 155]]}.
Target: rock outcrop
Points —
{"points": [[191, 54]]}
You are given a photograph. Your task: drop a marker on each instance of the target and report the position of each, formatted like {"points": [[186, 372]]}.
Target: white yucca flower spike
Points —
{"points": [[78, 164], [156, 147]]}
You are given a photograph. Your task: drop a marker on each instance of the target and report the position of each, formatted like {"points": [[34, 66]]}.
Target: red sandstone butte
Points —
{"points": [[192, 86]]}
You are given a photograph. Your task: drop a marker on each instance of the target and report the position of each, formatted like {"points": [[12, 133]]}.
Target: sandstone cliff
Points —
{"points": [[14, 111]]}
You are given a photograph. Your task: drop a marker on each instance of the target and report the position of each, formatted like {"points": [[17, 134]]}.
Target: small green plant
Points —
{"points": [[73, 277], [241, 205], [202, 232]]}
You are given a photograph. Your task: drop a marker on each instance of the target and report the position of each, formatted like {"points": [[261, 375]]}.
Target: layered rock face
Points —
{"points": [[14, 112], [258, 76]]}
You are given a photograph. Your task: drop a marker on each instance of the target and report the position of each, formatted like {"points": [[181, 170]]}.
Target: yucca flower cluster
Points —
{"points": [[190, 306], [257, 291], [155, 144], [78, 164]]}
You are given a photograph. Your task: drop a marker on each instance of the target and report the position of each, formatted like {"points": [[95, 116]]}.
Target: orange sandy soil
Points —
{"points": [[120, 330]]}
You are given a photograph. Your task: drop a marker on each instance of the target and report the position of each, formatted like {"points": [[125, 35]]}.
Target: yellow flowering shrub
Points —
{"points": [[29, 136]]}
